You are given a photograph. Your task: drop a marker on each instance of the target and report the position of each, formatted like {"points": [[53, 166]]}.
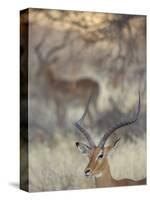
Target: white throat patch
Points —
{"points": [[99, 175]]}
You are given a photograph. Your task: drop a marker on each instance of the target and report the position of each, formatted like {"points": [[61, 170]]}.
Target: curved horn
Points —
{"points": [[79, 125], [119, 125]]}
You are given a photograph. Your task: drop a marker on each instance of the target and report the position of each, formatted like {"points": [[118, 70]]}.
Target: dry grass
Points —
{"points": [[59, 166], [108, 60], [129, 160]]}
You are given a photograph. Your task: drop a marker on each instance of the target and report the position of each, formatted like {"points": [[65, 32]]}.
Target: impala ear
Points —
{"points": [[116, 143], [110, 149], [83, 148]]}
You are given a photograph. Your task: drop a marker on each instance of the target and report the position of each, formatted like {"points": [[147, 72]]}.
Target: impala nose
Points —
{"points": [[87, 172]]}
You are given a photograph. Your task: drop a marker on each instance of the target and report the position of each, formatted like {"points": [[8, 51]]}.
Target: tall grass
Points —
{"points": [[57, 164]]}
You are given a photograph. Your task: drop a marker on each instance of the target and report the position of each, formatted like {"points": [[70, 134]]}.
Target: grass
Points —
{"points": [[57, 164]]}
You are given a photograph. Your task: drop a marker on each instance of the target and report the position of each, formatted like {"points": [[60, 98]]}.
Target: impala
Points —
{"points": [[98, 165], [62, 91]]}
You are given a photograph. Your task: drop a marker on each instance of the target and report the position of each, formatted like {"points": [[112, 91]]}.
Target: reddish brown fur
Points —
{"points": [[102, 166], [73, 89]]}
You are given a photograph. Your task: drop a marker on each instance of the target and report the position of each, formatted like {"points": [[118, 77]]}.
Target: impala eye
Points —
{"points": [[100, 156]]}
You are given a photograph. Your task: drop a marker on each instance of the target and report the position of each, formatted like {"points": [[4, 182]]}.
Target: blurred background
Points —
{"points": [[70, 55]]}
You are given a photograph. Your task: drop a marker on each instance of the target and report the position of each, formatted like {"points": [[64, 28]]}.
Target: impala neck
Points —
{"points": [[50, 75], [105, 179]]}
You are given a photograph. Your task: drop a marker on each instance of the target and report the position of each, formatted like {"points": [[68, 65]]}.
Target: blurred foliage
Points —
{"points": [[69, 55]]}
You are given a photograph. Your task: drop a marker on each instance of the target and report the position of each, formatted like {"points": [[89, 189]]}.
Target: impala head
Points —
{"points": [[97, 158], [97, 154]]}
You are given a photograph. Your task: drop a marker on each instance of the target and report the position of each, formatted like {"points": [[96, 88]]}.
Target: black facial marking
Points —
{"points": [[100, 156], [77, 144]]}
